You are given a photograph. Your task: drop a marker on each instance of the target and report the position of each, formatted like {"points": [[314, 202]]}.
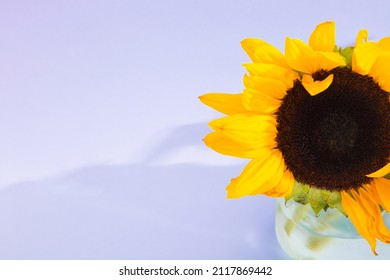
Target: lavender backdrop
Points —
{"points": [[101, 151]]}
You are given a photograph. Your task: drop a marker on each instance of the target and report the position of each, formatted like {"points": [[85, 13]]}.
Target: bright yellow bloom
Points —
{"points": [[317, 115]]}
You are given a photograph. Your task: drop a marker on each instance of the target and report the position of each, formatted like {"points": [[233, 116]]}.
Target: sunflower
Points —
{"points": [[315, 124]]}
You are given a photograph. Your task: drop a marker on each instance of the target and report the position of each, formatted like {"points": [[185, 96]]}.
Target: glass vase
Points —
{"points": [[331, 235]]}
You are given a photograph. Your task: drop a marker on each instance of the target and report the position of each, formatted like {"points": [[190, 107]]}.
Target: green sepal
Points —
{"points": [[334, 201], [347, 54], [387, 176], [333, 198], [306, 188], [339, 206], [299, 194], [316, 200]]}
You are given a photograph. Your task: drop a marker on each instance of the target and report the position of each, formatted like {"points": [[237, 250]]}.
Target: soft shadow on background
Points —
{"points": [[101, 154], [137, 211]]}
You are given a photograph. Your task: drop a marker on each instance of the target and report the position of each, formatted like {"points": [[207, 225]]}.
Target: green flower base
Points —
{"points": [[331, 235]]}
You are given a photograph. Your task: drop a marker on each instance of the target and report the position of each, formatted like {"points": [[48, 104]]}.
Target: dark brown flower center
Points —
{"points": [[336, 133], [334, 139]]}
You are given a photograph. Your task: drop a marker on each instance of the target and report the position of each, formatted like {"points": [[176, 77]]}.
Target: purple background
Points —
{"points": [[101, 151]]}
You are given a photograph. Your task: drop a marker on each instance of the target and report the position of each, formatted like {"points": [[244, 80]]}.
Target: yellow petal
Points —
{"points": [[269, 86], [282, 74], [224, 145], [381, 172], [265, 70], [260, 51], [364, 56], [384, 44], [303, 58], [282, 180], [382, 188], [316, 87], [323, 37], [330, 60], [359, 218], [260, 102], [300, 56], [285, 186], [248, 130], [366, 199], [259, 176], [224, 103], [380, 71], [361, 37]]}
